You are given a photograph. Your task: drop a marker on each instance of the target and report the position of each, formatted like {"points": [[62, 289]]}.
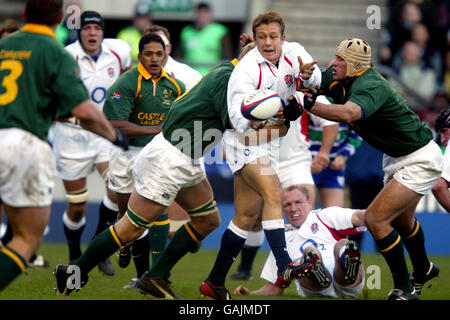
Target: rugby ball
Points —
{"points": [[261, 104]]}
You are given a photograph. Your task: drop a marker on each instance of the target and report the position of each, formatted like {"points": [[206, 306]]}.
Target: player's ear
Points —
{"points": [[283, 37]]}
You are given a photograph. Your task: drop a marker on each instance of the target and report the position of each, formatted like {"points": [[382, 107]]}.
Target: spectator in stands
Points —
{"points": [[403, 18], [8, 27], [431, 57], [432, 111], [133, 33], [205, 42], [414, 73]]}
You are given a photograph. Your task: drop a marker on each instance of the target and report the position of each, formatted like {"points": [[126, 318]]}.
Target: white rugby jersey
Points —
{"points": [[255, 72], [446, 171], [99, 75], [323, 228], [295, 145], [182, 72]]}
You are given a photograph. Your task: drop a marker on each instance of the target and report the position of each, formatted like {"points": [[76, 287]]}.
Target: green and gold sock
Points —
{"points": [[11, 265], [102, 247], [391, 247], [158, 235], [186, 239], [414, 242]]}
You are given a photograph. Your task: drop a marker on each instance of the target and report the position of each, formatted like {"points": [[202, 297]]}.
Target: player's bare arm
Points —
{"points": [[269, 289], [442, 194], [346, 113], [92, 119], [358, 218], [134, 130]]}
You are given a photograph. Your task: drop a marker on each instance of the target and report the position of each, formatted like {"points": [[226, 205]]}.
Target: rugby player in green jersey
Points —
{"points": [[39, 81], [138, 103], [412, 161], [166, 170]]}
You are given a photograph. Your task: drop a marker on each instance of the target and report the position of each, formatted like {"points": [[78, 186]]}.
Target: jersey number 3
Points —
{"points": [[10, 81]]}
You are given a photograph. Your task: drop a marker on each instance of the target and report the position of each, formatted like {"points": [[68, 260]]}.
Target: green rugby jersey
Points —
{"points": [[197, 119], [139, 98], [387, 124], [39, 80]]}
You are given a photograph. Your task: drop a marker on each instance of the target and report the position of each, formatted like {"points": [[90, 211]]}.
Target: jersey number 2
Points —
{"points": [[10, 81]]}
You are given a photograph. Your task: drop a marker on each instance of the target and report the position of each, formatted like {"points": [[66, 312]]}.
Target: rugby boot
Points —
{"points": [[295, 270], [317, 271], [157, 287], [352, 261], [64, 281], [398, 294], [217, 293], [419, 282], [123, 256], [106, 267]]}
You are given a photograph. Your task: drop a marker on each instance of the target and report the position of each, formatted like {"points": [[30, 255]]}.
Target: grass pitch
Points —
{"points": [[189, 273]]}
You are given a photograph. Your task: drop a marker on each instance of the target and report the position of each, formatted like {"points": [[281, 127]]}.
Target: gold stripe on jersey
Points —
{"points": [[164, 73], [139, 86], [38, 28]]}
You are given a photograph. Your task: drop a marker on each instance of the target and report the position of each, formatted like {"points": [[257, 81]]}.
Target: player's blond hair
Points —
{"points": [[155, 28], [267, 18], [300, 188]]}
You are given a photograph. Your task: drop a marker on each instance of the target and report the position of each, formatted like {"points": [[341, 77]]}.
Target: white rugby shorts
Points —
{"points": [[121, 165], [238, 155], [77, 151], [27, 168], [418, 171], [161, 170], [299, 172]]}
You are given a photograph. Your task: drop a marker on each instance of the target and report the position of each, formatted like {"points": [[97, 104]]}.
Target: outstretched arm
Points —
{"points": [[269, 289], [442, 194]]}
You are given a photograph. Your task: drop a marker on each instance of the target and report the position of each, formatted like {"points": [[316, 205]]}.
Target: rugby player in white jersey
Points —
{"points": [[294, 168], [320, 238], [440, 190], [274, 64], [79, 152]]}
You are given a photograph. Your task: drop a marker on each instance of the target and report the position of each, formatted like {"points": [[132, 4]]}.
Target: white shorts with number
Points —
{"points": [[121, 165], [238, 155], [161, 170], [418, 171], [77, 151], [27, 168]]}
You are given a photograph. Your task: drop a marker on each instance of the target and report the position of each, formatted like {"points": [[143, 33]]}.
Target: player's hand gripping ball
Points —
{"points": [[261, 104]]}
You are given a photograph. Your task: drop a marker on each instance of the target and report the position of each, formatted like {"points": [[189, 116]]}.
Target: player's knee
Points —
{"points": [[77, 204], [338, 246], [206, 217], [207, 223]]}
